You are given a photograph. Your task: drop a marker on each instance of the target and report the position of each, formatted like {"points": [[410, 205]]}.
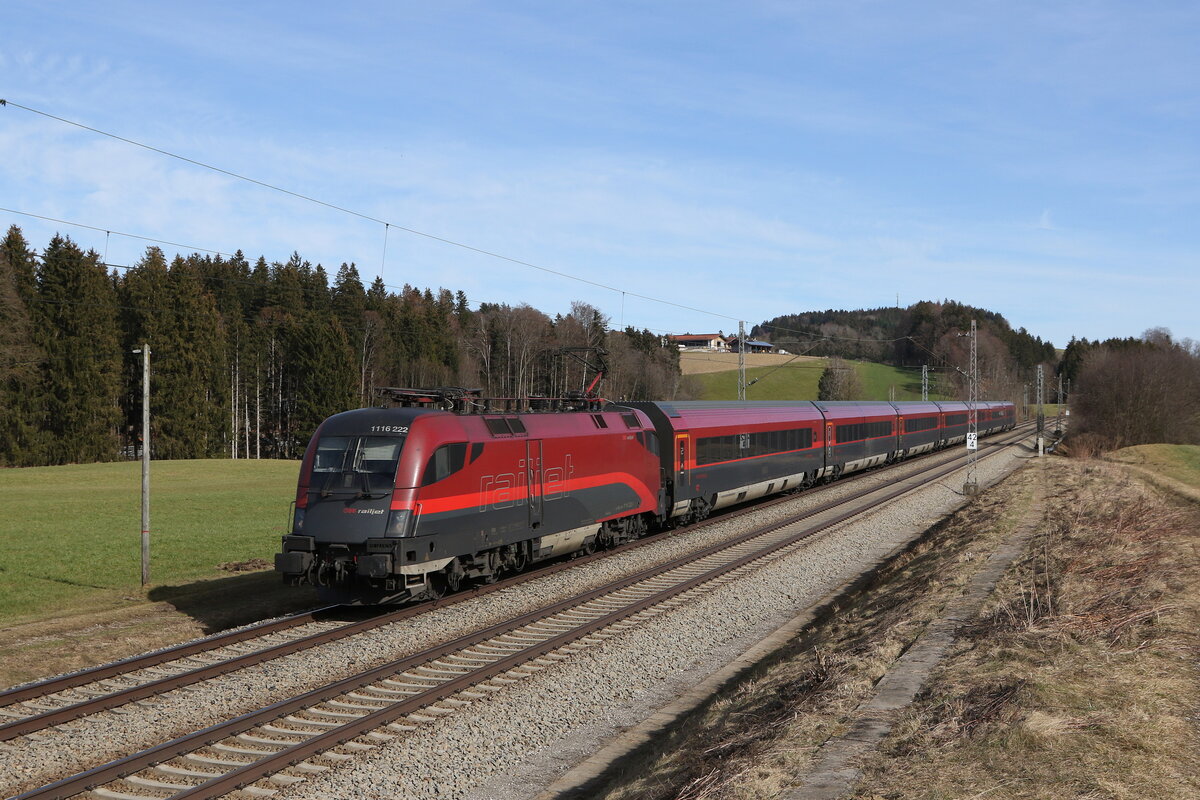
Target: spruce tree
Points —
{"points": [[21, 409], [321, 375], [191, 372], [81, 372]]}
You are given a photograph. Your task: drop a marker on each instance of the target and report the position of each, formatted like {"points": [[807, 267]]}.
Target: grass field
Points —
{"points": [[798, 381], [1178, 461], [70, 536]]}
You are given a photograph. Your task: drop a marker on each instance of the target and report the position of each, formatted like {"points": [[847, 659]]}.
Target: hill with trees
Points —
{"points": [[925, 333], [248, 358]]}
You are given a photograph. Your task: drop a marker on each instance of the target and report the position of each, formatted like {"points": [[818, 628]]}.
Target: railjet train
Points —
{"points": [[412, 501]]}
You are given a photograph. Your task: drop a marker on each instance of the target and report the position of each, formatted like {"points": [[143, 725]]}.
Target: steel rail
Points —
{"points": [[133, 663], [316, 744], [215, 787], [57, 716], [46, 719]]}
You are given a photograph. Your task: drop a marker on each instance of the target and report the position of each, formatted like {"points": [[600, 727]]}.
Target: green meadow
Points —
{"points": [[70, 537], [1180, 462], [799, 382]]}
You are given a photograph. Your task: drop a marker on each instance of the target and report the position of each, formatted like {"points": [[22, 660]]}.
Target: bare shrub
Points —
{"points": [[839, 381], [1143, 392], [1083, 446]]}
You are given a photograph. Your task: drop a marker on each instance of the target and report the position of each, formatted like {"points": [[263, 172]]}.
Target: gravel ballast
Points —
{"points": [[512, 744]]}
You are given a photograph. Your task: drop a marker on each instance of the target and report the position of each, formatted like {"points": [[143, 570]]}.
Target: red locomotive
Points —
{"points": [[410, 501]]}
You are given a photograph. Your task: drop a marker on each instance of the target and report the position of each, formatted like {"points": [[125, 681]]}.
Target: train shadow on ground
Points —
{"points": [[241, 599]]}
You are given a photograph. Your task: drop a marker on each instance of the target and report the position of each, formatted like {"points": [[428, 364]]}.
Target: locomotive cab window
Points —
{"points": [[356, 463], [445, 461]]}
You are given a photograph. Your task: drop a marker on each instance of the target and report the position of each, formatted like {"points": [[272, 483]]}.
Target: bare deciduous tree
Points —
{"points": [[1143, 392], [839, 381]]}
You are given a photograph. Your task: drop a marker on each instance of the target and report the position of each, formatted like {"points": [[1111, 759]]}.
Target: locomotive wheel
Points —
{"points": [[454, 576], [520, 558], [448, 581], [435, 586]]}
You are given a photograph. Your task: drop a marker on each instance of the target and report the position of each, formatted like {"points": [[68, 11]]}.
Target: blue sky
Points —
{"points": [[749, 159]]}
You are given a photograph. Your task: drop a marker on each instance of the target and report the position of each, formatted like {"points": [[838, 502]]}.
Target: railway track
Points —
{"points": [[306, 734], [37, 706]]}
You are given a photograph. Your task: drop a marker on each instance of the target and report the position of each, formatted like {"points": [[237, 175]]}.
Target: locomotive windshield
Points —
{"points": [[362, 465]]}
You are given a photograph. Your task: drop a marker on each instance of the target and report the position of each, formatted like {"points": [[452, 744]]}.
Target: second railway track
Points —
{"points": [[280, 740], [37, 706]]}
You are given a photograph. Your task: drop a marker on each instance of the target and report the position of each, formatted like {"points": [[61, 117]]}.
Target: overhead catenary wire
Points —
{"points": [[444, 240], [249, 319], [814, 338], [218, 253], [107, 231]]}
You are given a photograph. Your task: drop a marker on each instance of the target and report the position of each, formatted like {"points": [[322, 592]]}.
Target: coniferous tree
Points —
{"points": [[21, 418], [321, 375], [146, 318], [191, 371], [349, 303], [82, 370]]}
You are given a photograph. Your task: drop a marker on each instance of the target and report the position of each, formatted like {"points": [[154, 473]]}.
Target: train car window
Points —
{"points": [[922, 424], [445, 461], [858, 431], [476, 451], [956, 419]]}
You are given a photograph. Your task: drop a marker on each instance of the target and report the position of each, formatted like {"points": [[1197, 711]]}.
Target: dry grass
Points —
{"points": [[702, 362], [753, 739], [1081, 680]]}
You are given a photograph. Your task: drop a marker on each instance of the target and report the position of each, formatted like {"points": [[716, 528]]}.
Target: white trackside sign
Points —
{"points": [[972, 441]]}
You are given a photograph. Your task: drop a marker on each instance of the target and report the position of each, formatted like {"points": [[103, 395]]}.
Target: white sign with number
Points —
{"points": [[972, 441]]}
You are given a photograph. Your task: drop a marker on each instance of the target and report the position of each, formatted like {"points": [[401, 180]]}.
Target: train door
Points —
{"points": [[828, 444], [533, 481], [682, 453], [899, 432]]}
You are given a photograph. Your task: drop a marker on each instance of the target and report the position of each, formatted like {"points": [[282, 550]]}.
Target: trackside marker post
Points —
{"points": [[145, 351]]}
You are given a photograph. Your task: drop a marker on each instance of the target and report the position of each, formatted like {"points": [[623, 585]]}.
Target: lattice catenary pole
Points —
{"points": [[741, 360], [971, 487], [1041, 412]]}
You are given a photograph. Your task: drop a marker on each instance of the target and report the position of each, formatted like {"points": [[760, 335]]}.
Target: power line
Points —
{"points": [[814, 338], [360, 215], [118, 233], [219, 253]]}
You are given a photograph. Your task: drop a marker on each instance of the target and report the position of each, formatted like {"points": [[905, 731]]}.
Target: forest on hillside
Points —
{"points": [[248, 358], [925, 333]]}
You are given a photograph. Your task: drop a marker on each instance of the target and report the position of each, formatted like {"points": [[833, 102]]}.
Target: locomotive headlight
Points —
{"points": [[298, 520], [398, 523]]}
